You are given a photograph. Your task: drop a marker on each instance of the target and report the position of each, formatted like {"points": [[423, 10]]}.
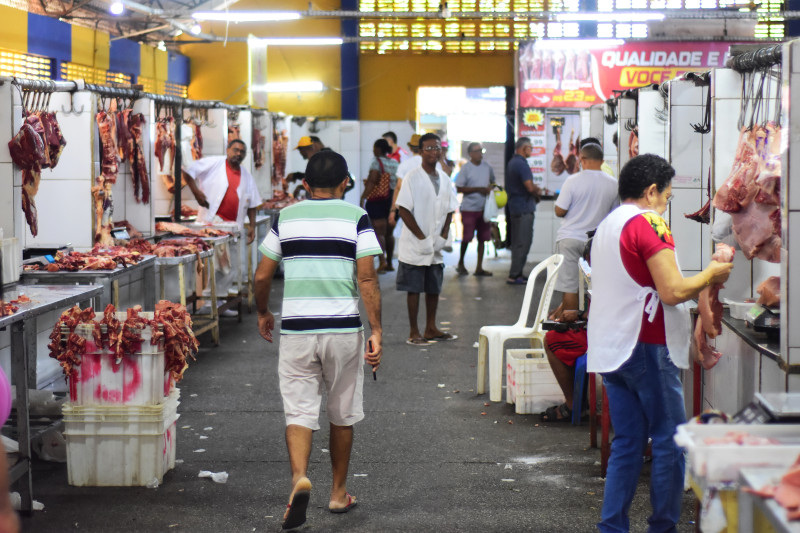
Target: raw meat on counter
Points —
{"points": [[180, 229], [786, 493], [709, 321], [99, 258], [186, 211], [12, 306], [751, 193], [169, 247], [279, 200], [133, 233], [769, 292]]}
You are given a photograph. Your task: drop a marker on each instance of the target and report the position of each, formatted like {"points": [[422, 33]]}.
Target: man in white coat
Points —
{"points": [[426, 203], [225, 191]]}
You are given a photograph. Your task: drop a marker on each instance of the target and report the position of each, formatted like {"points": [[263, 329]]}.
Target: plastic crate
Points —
{"points": [[120, 445], [135, 379], [715, 464], [530, 383]]}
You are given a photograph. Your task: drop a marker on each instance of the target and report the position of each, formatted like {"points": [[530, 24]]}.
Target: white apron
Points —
{"points": [[618, 303]]}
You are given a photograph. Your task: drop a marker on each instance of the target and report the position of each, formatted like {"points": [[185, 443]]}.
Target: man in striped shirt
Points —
{"points": [[327, 246]]}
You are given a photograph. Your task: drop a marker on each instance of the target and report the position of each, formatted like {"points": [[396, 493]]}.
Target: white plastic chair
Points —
{"points": [[492, 338]]}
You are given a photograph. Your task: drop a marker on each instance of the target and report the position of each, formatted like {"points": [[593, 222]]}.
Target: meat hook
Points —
{"points": [[71, 110], [705, 126], [611, 117]]}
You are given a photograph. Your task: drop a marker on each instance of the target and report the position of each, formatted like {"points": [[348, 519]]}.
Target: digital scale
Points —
{"points": [[771, 408]]}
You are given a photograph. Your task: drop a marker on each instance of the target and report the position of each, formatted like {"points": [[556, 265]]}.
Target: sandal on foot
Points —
{"points": [[483, 273], [442, 337], [462, 271], [418, 342], [351, 502], [557, 413], [299, 504]]}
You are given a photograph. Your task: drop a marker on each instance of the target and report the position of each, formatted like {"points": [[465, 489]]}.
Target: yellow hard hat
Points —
{"points": [[500, 198]]}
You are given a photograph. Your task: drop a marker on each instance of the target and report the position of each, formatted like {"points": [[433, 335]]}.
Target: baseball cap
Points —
{"points": [[414, 140], [303, 142], [445, 144]]}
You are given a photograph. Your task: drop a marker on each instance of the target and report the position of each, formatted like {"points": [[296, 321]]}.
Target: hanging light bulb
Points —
{"points": [[116, 8], [196, 29]]}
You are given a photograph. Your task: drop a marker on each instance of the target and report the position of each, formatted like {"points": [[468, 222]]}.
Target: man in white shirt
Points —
{"points": [[585, 199], [225, 191], [426, 203]]}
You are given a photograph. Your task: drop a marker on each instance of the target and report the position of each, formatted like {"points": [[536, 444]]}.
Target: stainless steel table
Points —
{"points": [[756, 478], [200, 323], [224, 301], [108, 279], [43, 298]]}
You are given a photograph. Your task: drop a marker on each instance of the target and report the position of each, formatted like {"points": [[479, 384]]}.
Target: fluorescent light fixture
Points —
{"points": [[300, 41], [289, 87], [246, 16], [116, 8], [196, 29], [575, 44], [620, 16]]}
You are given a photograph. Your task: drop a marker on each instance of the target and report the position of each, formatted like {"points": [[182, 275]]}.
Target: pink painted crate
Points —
{"points": [[137, 379]]}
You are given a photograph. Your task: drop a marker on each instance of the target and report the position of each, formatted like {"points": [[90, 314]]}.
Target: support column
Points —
{"points": [[349, 64], [589, 29], [792, 26]]}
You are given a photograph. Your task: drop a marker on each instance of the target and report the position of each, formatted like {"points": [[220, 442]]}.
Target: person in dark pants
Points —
{"points": [[523, 196]]}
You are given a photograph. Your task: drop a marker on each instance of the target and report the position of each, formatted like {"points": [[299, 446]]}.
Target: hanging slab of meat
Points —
{"points": [[558, 165], [573, 160], [559, 62], [751, 194], [52, 137], [197, 141], [165, 145], [569, 67], [769, 292], [28, 152], [124, 137], [709, 321], [279, 145], [259, 144], [109, 161], [139, 175], [633, 143]]}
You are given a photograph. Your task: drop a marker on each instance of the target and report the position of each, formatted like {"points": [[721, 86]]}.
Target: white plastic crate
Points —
{"points": [[120, 445], [713, 464], [530, 383], [135, 379]]}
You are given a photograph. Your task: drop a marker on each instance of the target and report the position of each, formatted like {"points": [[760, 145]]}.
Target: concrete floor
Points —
{"points": [[424, 459]]}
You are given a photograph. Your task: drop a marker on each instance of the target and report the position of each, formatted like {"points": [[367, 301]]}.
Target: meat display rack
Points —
{"points": [[200, 323], [44, 298], [108, 279]]}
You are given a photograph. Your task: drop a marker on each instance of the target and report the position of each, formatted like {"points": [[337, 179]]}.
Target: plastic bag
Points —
{"points": [[490, 209]]}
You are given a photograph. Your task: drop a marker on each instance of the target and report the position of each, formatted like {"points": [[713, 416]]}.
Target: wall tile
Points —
{"points": [[686, 232], [795, 54], [78, 130], [686, 146], [75, 228], [684, 93], [773, 379], [726, 138], [7, 205], [726, 83], [6, 121], [792, 304]]}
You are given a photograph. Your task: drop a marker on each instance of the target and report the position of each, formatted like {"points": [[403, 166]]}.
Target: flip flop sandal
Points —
{"points": [[351, 502], [483, 273], [442, 337], [462, 271], [297, 509], [552, 414], [419, 342]]}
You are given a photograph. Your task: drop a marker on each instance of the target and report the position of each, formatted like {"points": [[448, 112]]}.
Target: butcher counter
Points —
{"points": [[23, 326]]}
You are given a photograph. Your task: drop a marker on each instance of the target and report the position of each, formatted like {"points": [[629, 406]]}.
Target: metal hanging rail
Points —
{"points": [[756, 59], [44, 86]]}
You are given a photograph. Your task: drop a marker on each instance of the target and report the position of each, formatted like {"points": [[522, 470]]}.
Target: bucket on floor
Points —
{"points": [[134, 379], [120, 445], [530, 383]]}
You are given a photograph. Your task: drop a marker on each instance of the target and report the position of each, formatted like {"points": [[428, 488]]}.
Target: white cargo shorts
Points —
{"points": [[309, 362]]}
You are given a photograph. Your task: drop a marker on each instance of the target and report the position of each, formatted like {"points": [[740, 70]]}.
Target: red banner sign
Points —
{"points": [[552, 75]]}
